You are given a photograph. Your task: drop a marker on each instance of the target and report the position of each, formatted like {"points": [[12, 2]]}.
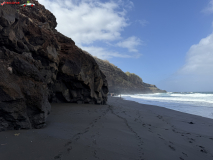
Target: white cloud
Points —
{"points": [[130, 43], [91, 21], [126, 4], [103, 53], [209, 8], [87, 21], [200, 58], [143, 23], [197, 73]]}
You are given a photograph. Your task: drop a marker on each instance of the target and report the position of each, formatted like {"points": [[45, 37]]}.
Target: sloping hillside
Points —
{"points": [[125, 83]]}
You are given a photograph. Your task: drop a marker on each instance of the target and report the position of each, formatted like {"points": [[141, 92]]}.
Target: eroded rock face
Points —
{"points": [[78, 75], [23, 92], [124, 83], [39, 65]]}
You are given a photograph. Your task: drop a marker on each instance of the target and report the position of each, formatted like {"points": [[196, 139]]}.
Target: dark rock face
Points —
{"points": [[23, 93], [124, 83], [40, 65], [79, 78]]}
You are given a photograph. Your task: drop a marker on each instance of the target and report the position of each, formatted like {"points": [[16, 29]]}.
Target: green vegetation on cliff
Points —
{"points": [[134, 78]]}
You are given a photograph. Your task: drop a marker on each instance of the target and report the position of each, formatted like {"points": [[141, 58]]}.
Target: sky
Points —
{"points": [[167, 43]]}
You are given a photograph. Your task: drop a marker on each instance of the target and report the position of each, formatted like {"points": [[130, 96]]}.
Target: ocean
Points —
{"points": [[197, 103]]}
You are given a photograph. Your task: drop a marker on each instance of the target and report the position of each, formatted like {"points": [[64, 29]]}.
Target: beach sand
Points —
{"points": [[121, 130]]}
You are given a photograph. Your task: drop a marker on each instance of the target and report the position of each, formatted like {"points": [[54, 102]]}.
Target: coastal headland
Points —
{"points": [[118, 130]]}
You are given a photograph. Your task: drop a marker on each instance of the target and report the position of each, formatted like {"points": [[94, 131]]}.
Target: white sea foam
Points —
{"points": [[189, 102]]}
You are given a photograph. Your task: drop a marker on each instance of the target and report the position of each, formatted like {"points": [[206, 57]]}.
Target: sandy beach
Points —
{"points": [[120, 130]]}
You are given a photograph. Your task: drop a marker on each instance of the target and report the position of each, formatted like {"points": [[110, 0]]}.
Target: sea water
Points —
{"points": [[197, 103]]}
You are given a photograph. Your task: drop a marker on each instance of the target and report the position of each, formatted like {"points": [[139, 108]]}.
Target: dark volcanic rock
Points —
{"points": [[40, 65], [23, 93], [124, 83]]}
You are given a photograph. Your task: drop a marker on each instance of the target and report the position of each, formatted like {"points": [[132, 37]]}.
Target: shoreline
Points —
{"points": [[119, 130], [185, 104]]}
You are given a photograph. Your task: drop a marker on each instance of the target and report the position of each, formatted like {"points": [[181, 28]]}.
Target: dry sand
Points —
{"points": [[121, 130]]}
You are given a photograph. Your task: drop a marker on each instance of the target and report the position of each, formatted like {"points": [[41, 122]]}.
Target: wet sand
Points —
{"points": [[121, 130]]}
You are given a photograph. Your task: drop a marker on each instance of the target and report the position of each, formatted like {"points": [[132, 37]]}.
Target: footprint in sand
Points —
{"points": [[86, 131], [175, 131], [203, 149], [191, 122], [172, 147], [68, 143], [77, 138], [94, 141], [95, 154], [160, 117], [92, 136], [58, 156], [185, 154], [161, 138], [69, 149]]}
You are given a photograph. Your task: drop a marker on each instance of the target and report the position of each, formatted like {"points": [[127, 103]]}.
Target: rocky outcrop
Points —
{"points": [[124, 83], [39, 65]]}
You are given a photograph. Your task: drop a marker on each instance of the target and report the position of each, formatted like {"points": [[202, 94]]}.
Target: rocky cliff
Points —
{"points": [[124, 83], [39, 65]]}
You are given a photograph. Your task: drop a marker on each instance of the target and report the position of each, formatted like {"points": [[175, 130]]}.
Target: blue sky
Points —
{"points": [[167, 43]]}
